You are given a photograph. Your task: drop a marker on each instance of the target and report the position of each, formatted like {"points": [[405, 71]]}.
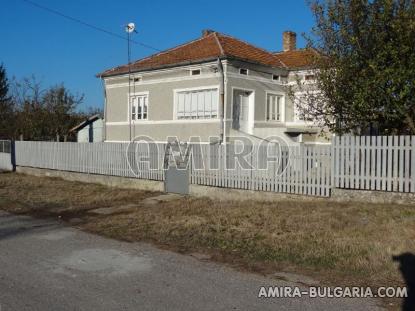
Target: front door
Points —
{"points": [[241, 112]]}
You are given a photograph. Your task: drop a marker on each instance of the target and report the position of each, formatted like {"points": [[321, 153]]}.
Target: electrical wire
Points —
{"points": [[89, 25], [100, 29]]}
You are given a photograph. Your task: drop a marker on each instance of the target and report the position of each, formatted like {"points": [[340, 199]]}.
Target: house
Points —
{"points": [[90, 130], [214, 86]]}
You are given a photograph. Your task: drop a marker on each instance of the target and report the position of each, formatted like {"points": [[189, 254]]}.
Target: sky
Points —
{"points": [[57, 50]]}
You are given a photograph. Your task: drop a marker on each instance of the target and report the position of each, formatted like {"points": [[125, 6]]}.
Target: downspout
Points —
{"points": [[104, 134], [221, 102]]}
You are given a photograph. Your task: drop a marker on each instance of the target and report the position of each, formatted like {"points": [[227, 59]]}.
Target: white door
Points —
{"points": [[244, 113]]}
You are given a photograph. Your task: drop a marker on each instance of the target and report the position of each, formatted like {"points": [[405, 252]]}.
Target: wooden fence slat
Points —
{"points": [[378, 163], [407, 164], [400, 163], [384, 159]]}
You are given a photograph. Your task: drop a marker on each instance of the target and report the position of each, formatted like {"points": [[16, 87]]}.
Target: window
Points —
{"points": [[195, 72], [139, 107], [243, 71], [274, 107], [275, 77], [309, 77], [197, 104]]}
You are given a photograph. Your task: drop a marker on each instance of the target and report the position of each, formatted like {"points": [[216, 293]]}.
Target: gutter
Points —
{"points": [[104, 134], [222, 102], [110, 72]]}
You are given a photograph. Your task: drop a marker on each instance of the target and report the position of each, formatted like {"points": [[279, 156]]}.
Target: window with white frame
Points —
{"points": [[197, 104], [195, 72], [310, 77], [243, 71], [139, 107], [274, 107]]}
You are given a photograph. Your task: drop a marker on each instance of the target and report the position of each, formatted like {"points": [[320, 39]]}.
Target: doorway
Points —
{"points": [[242, 115]]}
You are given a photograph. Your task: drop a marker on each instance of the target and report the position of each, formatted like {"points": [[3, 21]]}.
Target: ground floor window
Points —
{"points": [[197, 104], [139, 107], [274, 107]]}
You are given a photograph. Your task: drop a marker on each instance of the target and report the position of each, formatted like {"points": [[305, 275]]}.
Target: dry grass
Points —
{"points": [[341, 243], [51, 196], [336, 242]]}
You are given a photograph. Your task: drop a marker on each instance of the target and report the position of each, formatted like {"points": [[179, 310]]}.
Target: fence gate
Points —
{"points": [[177, 175], [6, 153]]}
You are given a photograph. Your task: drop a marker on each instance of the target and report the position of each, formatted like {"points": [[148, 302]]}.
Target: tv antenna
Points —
{"points": [[129, 29]]}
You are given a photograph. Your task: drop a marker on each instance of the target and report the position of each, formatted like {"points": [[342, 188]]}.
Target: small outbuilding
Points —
{"points": [[90, 130]]}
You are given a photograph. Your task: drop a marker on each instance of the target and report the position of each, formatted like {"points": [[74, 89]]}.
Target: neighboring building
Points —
{"points": [[178, 92], [90, 131]]}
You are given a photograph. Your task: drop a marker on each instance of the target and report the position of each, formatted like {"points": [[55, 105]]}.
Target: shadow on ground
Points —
{"points": [[11, 228], [407, 268]]}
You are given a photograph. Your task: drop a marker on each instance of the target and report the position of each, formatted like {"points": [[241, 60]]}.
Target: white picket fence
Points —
{"points": [[5, 155], [385, 163], [302, 169], [97, 158]]}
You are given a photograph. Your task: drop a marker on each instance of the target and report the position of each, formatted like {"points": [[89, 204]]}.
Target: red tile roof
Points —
{"points": [[298, 58], [209, 47]]}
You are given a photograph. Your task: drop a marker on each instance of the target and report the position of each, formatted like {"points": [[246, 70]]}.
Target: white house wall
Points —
{"points": [[161, 85], [161, 122]]}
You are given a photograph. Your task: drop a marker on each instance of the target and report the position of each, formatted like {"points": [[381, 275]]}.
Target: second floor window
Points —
{"points": [[243, 71], [309, 77], [195, 72], [139, 107], [276, 77], [274, 107]]}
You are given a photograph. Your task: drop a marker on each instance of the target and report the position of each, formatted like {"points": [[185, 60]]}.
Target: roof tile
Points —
{"points": [[297, 58], [212, 46]]}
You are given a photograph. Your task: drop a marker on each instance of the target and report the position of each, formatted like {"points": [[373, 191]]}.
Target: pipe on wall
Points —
{"points": [[222, 101], [104, 134]]}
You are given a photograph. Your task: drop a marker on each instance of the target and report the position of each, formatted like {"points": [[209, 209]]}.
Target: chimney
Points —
{"points": [[289, 41], [206, 32]]}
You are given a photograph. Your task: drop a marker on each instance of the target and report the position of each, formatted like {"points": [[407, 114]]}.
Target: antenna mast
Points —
{"points": [[129, 29]]}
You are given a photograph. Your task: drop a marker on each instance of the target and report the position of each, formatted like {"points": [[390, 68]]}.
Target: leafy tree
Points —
{"points": [[365, 73], [6, 106]]}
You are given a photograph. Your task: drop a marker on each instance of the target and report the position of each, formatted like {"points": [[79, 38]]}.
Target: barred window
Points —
{"points": [[139, 107], [197, 104], [274, 107]]}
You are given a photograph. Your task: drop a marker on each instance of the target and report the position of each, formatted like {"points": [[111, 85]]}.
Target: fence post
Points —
{"points": [[332, 164], [412, 164], [13, 155], [303, 160]]}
